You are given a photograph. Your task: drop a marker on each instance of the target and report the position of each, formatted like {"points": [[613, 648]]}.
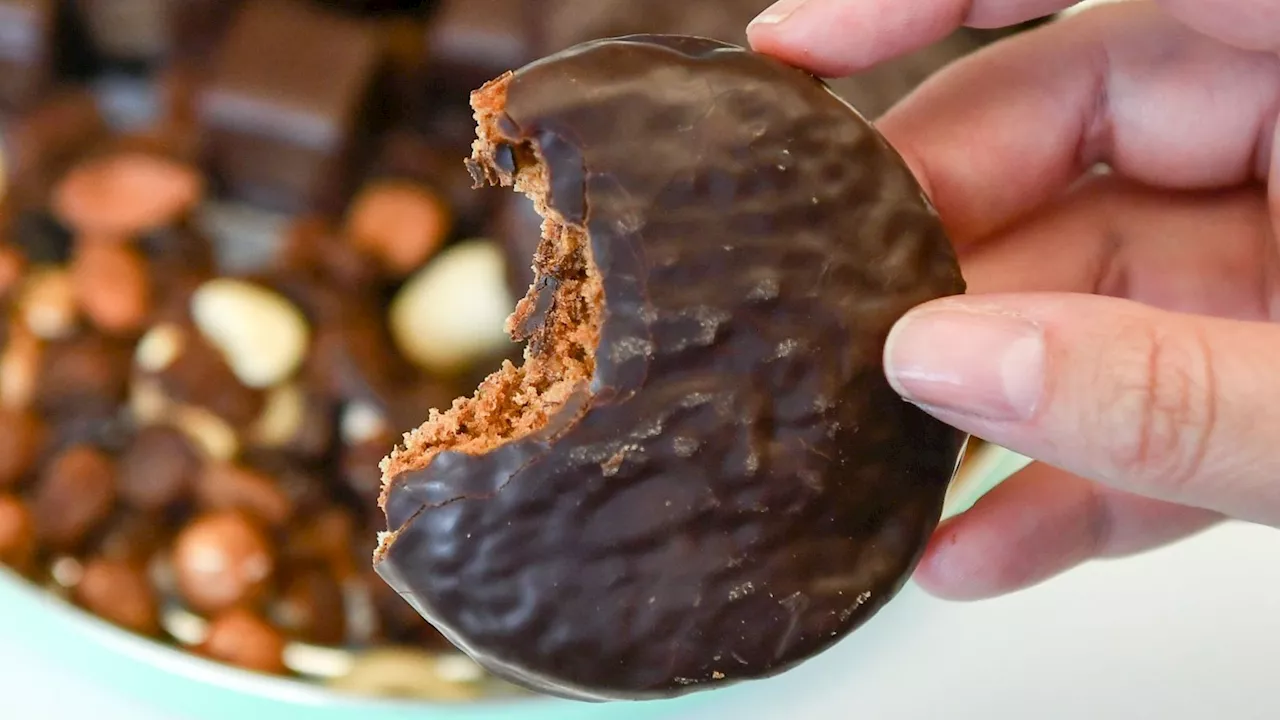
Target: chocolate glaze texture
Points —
{"points": [[739, 487]]}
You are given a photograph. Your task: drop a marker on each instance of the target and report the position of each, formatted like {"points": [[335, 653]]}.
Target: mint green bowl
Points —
{"points": [[172, 680]]}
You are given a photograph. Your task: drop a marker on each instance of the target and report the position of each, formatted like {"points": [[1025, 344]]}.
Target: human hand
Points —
{"points": [[1119, 326]]}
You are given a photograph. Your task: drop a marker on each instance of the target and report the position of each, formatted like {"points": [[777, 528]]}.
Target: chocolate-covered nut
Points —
{"points": [[84, 375], [242, 638], [310, 607], [133, 536], [284, 122], [122, 194], [112, 285], [75, 494], [22, 437], [17, 534], [398, 222], [432, 160], [222, 560], [120, 592], [159, 468], [225, 486], [701, 443]]}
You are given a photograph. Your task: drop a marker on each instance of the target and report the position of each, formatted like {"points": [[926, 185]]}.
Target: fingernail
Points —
{"points": [[975, 363], [776, 13]]}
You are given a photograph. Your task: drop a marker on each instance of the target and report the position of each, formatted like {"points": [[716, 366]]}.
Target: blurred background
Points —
{"points": [[240, 253]]}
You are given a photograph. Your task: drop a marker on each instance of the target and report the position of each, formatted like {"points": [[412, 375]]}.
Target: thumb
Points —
{"points": [[1181, 408]]}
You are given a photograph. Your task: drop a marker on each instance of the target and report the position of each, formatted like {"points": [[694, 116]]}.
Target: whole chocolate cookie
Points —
{"points": [[699, 475]]}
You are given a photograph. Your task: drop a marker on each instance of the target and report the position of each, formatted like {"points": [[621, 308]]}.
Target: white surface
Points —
{"points": [[1191, 631]]}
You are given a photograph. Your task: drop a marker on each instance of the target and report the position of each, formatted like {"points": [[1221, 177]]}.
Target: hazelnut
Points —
{"points": [[242, 638], [126, 193], [112, 285], [17, 534], [452, 312], [223, 486], [48, 303], [222, 560], [21, 440], [121, 593], [158, 469], [74, 496], [262, 336], [399, 222]]}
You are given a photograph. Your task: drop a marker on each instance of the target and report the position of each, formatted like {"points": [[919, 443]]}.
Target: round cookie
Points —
{"points": [[699, 475]]}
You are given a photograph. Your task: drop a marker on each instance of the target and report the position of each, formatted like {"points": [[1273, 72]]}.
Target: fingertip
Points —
{"points": [[943, 571], [960, 563], [831, 38]]}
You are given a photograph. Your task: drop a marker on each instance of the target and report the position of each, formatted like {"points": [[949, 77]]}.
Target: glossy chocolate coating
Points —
{"points": [[872, 91], [739, 487]]}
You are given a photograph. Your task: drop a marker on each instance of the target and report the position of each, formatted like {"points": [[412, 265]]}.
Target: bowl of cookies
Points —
{"points": [[244, 248]]}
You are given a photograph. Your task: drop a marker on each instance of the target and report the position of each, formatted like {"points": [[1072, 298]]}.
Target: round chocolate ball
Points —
{"points": [[222, 560]]}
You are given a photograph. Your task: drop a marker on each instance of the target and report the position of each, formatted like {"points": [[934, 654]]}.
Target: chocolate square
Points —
{"points": [[27, 31], [127, 29], [143, 31], [289, 105], [470, 42]]}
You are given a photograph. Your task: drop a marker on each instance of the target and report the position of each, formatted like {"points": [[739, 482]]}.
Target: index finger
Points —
{"points": [[834, 38], [1004, 130]]}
